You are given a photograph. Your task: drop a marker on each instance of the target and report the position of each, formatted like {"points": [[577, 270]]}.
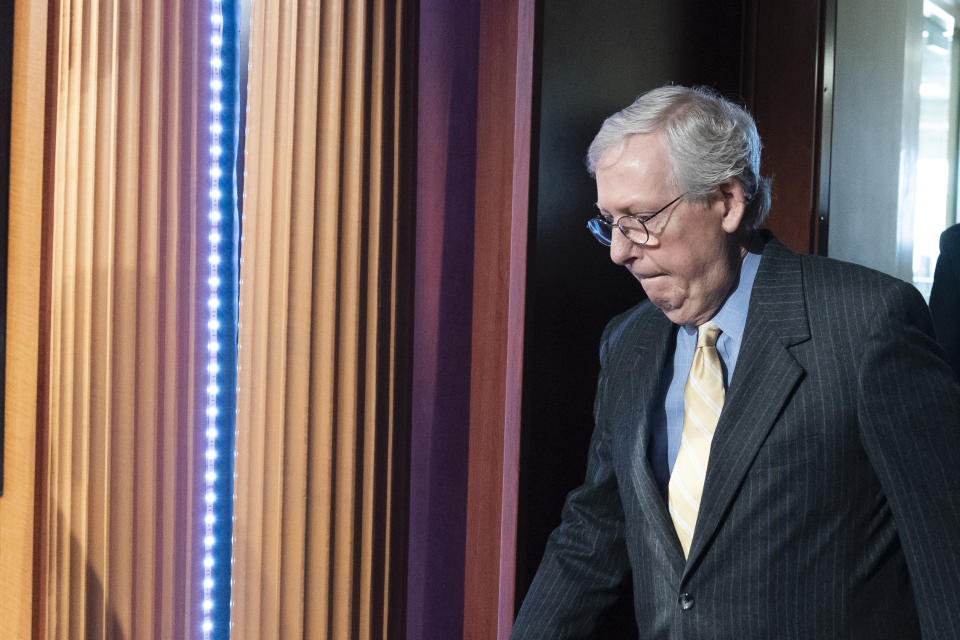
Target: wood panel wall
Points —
{"points": [[504, 126], [475, 115], [787, 82]]}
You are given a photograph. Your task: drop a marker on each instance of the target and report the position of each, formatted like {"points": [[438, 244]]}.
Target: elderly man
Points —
{"points": [[776, 449]]}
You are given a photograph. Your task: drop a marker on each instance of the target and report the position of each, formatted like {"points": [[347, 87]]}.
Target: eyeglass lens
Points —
{"points": [[601, 230], [631, 227]]}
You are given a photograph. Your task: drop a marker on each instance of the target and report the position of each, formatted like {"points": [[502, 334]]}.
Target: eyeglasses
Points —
{"points": [[634, 226]]}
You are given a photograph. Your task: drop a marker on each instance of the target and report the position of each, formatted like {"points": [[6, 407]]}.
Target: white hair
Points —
{"points": [[711, 141]]}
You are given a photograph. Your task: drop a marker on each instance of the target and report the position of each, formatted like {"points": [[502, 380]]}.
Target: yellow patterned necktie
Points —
{"points": [[702, 402]]}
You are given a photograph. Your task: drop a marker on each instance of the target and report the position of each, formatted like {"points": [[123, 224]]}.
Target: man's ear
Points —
{"points": [[734, 205]]}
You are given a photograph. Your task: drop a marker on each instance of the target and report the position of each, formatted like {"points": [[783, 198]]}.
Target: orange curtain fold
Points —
{"points": [[324, 286], [24, 309], [116, 169], [123, 400]]}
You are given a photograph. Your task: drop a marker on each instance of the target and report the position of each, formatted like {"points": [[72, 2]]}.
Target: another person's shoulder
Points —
{"points": [[950, 240]]}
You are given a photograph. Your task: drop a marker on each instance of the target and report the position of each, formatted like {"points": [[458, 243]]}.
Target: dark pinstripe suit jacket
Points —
{"points": [[831, 507]]}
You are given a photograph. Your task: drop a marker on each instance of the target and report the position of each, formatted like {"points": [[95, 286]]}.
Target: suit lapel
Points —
{"points": [[650, 336], [765, 376]]}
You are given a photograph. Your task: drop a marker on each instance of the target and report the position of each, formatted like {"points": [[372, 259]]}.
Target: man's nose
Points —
{"points": [[621, 248]]}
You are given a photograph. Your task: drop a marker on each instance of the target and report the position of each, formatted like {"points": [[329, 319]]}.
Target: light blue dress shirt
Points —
{"points": [[667, 420]]}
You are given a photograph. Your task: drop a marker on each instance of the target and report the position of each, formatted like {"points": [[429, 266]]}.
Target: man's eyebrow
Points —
{"points": [[603, 212], [624, 212], [631, 209], [598, 206]]}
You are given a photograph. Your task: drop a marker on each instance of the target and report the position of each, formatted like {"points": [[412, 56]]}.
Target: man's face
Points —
{"points": [[690, 263]]}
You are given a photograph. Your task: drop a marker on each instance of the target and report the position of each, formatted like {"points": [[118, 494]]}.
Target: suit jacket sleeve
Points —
{"points": [[585, 561], [909, 406]]}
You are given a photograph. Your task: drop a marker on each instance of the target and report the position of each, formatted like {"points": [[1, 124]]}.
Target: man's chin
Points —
{"points": [[659, 295], [677, 314], [666, 307]]}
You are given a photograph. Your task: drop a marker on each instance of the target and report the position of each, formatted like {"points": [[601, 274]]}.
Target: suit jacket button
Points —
{"points": [[686, 601]]}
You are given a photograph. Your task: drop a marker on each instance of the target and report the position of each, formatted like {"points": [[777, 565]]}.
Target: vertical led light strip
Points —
{"points": [[214, 259]]}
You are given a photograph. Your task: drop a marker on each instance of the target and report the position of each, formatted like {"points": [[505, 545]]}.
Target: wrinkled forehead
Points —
{"points": [[639, 164]]}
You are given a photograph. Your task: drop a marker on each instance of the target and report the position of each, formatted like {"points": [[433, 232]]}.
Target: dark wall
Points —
{"points": [[595, 59]]}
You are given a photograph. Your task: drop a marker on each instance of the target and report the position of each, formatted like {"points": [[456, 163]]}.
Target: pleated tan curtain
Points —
{"points": [[325, 269], [17, 506], [120, 389]]}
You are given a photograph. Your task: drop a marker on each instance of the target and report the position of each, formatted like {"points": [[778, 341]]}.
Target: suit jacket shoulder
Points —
{"points": [[623, 324], [829, 292]]}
